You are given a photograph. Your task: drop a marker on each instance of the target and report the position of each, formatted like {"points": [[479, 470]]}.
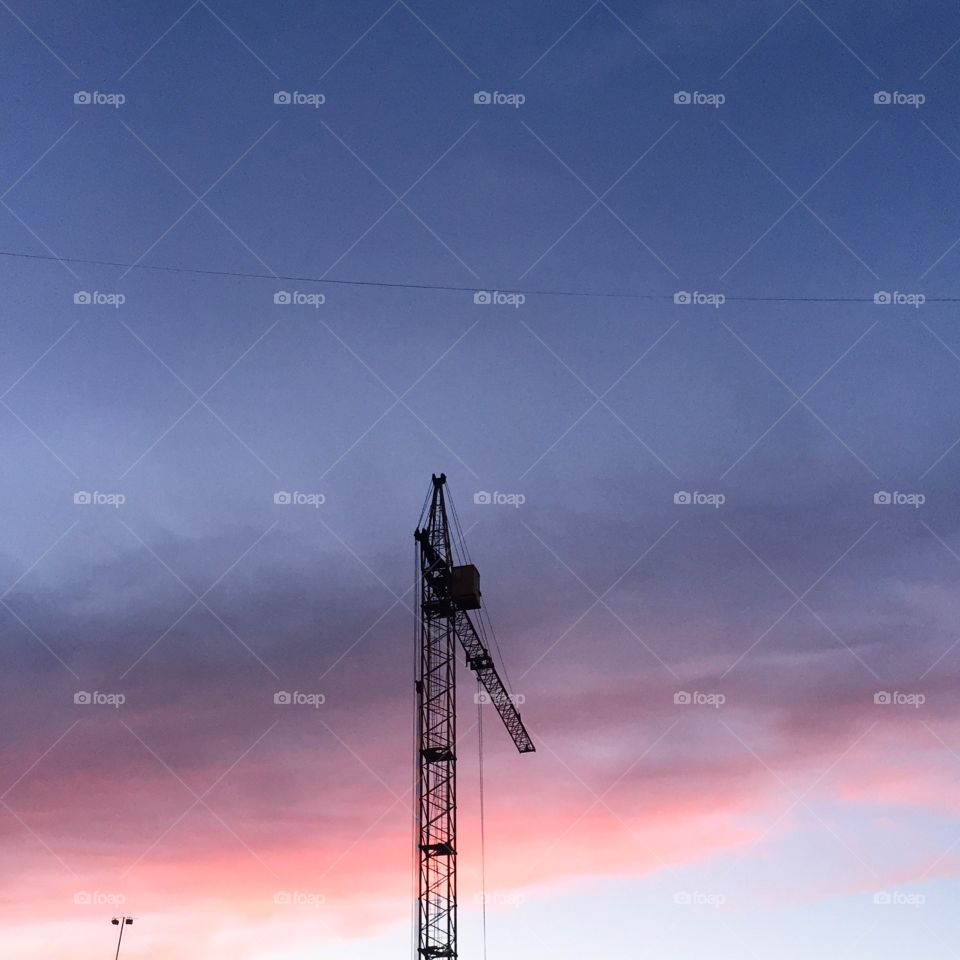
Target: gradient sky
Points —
{"points": [[774, 825]]}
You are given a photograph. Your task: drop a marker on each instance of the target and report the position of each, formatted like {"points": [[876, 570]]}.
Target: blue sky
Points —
{"points": [[788, 407]]}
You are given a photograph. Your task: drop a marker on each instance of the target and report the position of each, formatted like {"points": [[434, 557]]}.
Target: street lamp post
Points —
{"points": [[120, 922]]}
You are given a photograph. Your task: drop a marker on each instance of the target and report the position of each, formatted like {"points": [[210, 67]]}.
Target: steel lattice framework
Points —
{"points": [[443, 606]]}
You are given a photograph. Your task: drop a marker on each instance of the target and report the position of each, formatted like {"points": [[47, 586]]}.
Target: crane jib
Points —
{"points": [[480, 661]]}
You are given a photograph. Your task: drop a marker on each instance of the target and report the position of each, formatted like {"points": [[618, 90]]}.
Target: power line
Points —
{"points": [[585, 294]]}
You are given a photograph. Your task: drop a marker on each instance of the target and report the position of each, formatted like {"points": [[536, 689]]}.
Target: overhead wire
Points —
{"points": [[451, 288]]}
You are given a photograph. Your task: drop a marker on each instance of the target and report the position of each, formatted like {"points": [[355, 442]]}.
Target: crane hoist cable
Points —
{"points": [[484, 624], [461, 542], [483, 823]]}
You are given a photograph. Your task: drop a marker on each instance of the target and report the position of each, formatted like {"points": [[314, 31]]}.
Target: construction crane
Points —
{"points": [[448, 592]]}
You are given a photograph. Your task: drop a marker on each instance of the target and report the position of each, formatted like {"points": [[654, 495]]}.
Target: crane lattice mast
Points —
{"points": [[447, 593]]}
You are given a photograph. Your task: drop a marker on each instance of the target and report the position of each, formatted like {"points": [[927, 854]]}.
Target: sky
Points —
{"points": [[669, 293]]}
